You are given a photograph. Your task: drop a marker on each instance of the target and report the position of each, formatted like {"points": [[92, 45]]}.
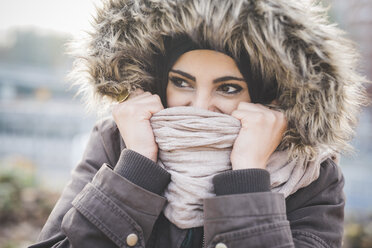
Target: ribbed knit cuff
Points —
{"points": [[142, 171], [241, 181]]}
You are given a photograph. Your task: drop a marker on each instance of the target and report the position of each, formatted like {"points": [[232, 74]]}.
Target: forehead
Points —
{"points": [[202, 60]]}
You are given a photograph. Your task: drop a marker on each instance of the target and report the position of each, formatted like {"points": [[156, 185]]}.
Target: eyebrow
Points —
{"points": [[217, 80]]}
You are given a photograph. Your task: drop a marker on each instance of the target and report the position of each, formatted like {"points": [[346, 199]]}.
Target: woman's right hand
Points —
{"points": [[133, 120]]}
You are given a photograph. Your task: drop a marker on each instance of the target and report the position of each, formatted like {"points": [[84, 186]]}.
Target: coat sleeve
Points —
{"points": [[312, 217], [101, 206]]}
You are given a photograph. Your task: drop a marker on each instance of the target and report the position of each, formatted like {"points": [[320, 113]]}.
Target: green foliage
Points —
{"points": [[358, 232], [12, 180], [24, 205]]}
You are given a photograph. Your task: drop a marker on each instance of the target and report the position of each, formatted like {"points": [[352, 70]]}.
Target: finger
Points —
{"points": [[137, 93], [257, 107], [249, 107], [270, 108], [146, 98], [156, 108], [248, 119], [153, 103], [241, 114], [271, 115], [150, 103]]}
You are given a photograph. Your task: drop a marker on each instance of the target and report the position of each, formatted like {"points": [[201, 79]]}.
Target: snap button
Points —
{"points": [[221, 245], [132, 239]]}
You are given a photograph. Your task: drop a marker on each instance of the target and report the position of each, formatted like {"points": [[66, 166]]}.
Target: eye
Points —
{"points": [[230, 88], [179, 82]]}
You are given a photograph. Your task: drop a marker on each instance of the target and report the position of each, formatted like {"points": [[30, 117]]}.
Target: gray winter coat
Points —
{"points": [[102, 207]]}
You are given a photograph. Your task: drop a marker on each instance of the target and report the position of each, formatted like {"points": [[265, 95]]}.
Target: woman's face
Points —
{"points": [[206, 79]]}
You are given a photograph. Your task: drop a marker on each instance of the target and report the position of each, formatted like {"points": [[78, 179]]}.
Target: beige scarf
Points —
{"points": [[195, 145]]}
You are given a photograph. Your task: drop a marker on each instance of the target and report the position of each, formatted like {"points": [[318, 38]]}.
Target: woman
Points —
{"points": [[274, 70]]}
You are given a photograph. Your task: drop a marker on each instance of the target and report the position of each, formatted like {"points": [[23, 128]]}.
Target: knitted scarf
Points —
{"points": [[195, 145]]}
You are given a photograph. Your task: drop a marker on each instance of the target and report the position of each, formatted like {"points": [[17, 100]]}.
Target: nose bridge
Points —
{"points": [[201, 99]]}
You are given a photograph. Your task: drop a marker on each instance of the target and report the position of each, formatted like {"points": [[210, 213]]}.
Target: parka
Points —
{"points": [[114, 197]]}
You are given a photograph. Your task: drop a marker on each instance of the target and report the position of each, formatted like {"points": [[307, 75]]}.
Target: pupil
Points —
{"points": [[227, 88]]}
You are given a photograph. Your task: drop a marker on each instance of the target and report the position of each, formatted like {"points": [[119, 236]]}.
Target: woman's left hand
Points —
{"points": [[261, 132]]}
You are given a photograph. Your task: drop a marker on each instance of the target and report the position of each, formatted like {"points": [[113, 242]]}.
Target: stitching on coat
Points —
{"points": [[312, 236], [291, 244], [137, 210], [118, 197], [251, 232], [240, 216], [303, 243], [100, 225], [100, 196], [114, 207]]}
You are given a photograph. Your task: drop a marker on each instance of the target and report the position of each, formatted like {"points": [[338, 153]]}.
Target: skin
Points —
{"points": [[191, 82], [210, 80]]}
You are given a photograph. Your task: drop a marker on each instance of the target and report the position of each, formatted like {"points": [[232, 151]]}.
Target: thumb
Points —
{"points": [[135, 93]]}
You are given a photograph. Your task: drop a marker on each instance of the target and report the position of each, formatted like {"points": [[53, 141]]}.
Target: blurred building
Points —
{"points": [[40, 122], [355, 17]]}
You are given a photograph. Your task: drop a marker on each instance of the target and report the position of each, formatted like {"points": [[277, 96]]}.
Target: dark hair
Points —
{"points": [[260, 90]]}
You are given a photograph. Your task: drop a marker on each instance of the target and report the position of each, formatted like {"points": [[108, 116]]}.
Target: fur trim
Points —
{"points": [[320, 89]]}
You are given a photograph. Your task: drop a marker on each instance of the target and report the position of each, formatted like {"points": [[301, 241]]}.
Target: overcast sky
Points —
{"points": [[68, 16]]}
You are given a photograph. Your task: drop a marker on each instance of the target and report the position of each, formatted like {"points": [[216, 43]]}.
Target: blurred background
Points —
{"points": [[43, 129]]}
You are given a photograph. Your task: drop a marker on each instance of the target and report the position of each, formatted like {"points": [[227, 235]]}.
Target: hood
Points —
{"points": [[320, 91]]}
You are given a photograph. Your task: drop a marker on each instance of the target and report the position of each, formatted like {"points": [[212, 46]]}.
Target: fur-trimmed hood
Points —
{"points": [[290, 40]]}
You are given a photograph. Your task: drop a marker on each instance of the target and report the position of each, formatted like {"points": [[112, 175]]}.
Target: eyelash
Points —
{"points": [[178, 83]]}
